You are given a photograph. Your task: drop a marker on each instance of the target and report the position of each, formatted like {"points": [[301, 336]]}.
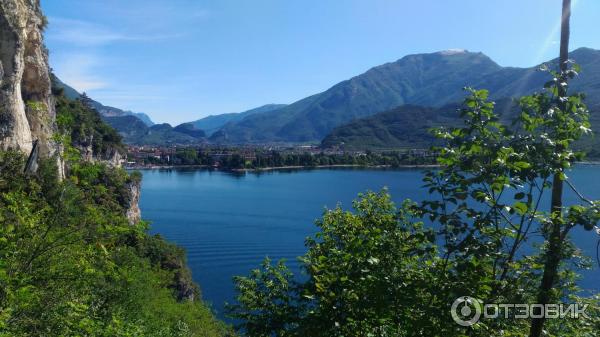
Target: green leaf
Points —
{"points": [[520, 207]]}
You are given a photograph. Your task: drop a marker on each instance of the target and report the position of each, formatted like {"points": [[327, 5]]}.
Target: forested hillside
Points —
{"points": [[404, 127], [73, 263], [409, 126], [75, 257]]}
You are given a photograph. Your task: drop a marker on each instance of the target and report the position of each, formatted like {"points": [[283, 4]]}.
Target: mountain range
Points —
{"points": [[107, 111], [214, 123], [138, 128], [391, 105], [430, 80]]}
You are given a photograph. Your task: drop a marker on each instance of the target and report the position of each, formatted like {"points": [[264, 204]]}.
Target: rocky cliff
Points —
{"points": [[26, 102], [133, 212]]}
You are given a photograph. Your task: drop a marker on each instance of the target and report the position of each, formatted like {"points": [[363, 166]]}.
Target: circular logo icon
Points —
{"points": [[466, 311]]}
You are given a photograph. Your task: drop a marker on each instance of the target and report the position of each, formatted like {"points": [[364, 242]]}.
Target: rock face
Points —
{"points": [[133, 212], [112, 158], [26, 103]]}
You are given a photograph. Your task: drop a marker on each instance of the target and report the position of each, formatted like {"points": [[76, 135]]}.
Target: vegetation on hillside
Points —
{"points": [[404, 127], [81, 126], [70, 262], [408, 126]]}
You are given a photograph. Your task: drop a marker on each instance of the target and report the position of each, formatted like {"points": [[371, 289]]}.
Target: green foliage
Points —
{"points": [[72, 265], [408, 127], [70, 262], [269, 301], [81, 126], [364, 267], [378, 272]]}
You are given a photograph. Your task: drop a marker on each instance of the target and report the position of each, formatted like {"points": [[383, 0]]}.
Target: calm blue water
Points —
{"points": [[228, 223]]}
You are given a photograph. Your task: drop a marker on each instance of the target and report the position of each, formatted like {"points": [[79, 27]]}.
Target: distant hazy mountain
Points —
{"points": [[130, 127], [104, 110], [143, 117], [165, 134], [134, 131], [138, 128], [424, 79], [190, 129], [213, 123]]}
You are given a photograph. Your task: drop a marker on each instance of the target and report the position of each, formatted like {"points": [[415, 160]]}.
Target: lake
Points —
{"points": [[229, 222]]}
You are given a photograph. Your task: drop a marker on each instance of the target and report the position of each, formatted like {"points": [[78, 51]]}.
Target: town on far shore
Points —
{"points": [[257, 157]]}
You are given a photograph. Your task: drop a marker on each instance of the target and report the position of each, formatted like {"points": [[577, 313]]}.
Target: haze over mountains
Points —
{"points": [[104, 110], [138, 128], [410, 95]]}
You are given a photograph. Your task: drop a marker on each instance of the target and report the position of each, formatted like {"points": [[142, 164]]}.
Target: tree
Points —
{"points": [[70, 262], [378, 272], [363, 270], [559, 231]]}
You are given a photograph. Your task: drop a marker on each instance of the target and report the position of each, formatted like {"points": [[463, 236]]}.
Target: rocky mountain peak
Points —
{"points": [[453, 51]]}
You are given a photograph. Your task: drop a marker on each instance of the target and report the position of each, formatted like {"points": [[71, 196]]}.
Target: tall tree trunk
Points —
{"points": [[555, 244]]}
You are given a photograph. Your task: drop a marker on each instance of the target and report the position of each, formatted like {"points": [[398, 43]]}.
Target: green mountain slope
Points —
{"points": [[425, 79], [213, 123], [408, 126], [404, 127]]}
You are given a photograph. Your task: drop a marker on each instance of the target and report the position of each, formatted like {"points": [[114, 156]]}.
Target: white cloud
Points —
{"points": [[77, 70], [83, 84], [83, 33]]}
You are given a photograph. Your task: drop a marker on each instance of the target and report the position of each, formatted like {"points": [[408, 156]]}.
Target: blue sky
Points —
{"points": [[180, 60]]}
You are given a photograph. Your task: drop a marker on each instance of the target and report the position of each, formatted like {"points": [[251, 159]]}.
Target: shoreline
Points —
{"points": [[165, 167], [277, 168], [331, 166], [299, 167]]}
